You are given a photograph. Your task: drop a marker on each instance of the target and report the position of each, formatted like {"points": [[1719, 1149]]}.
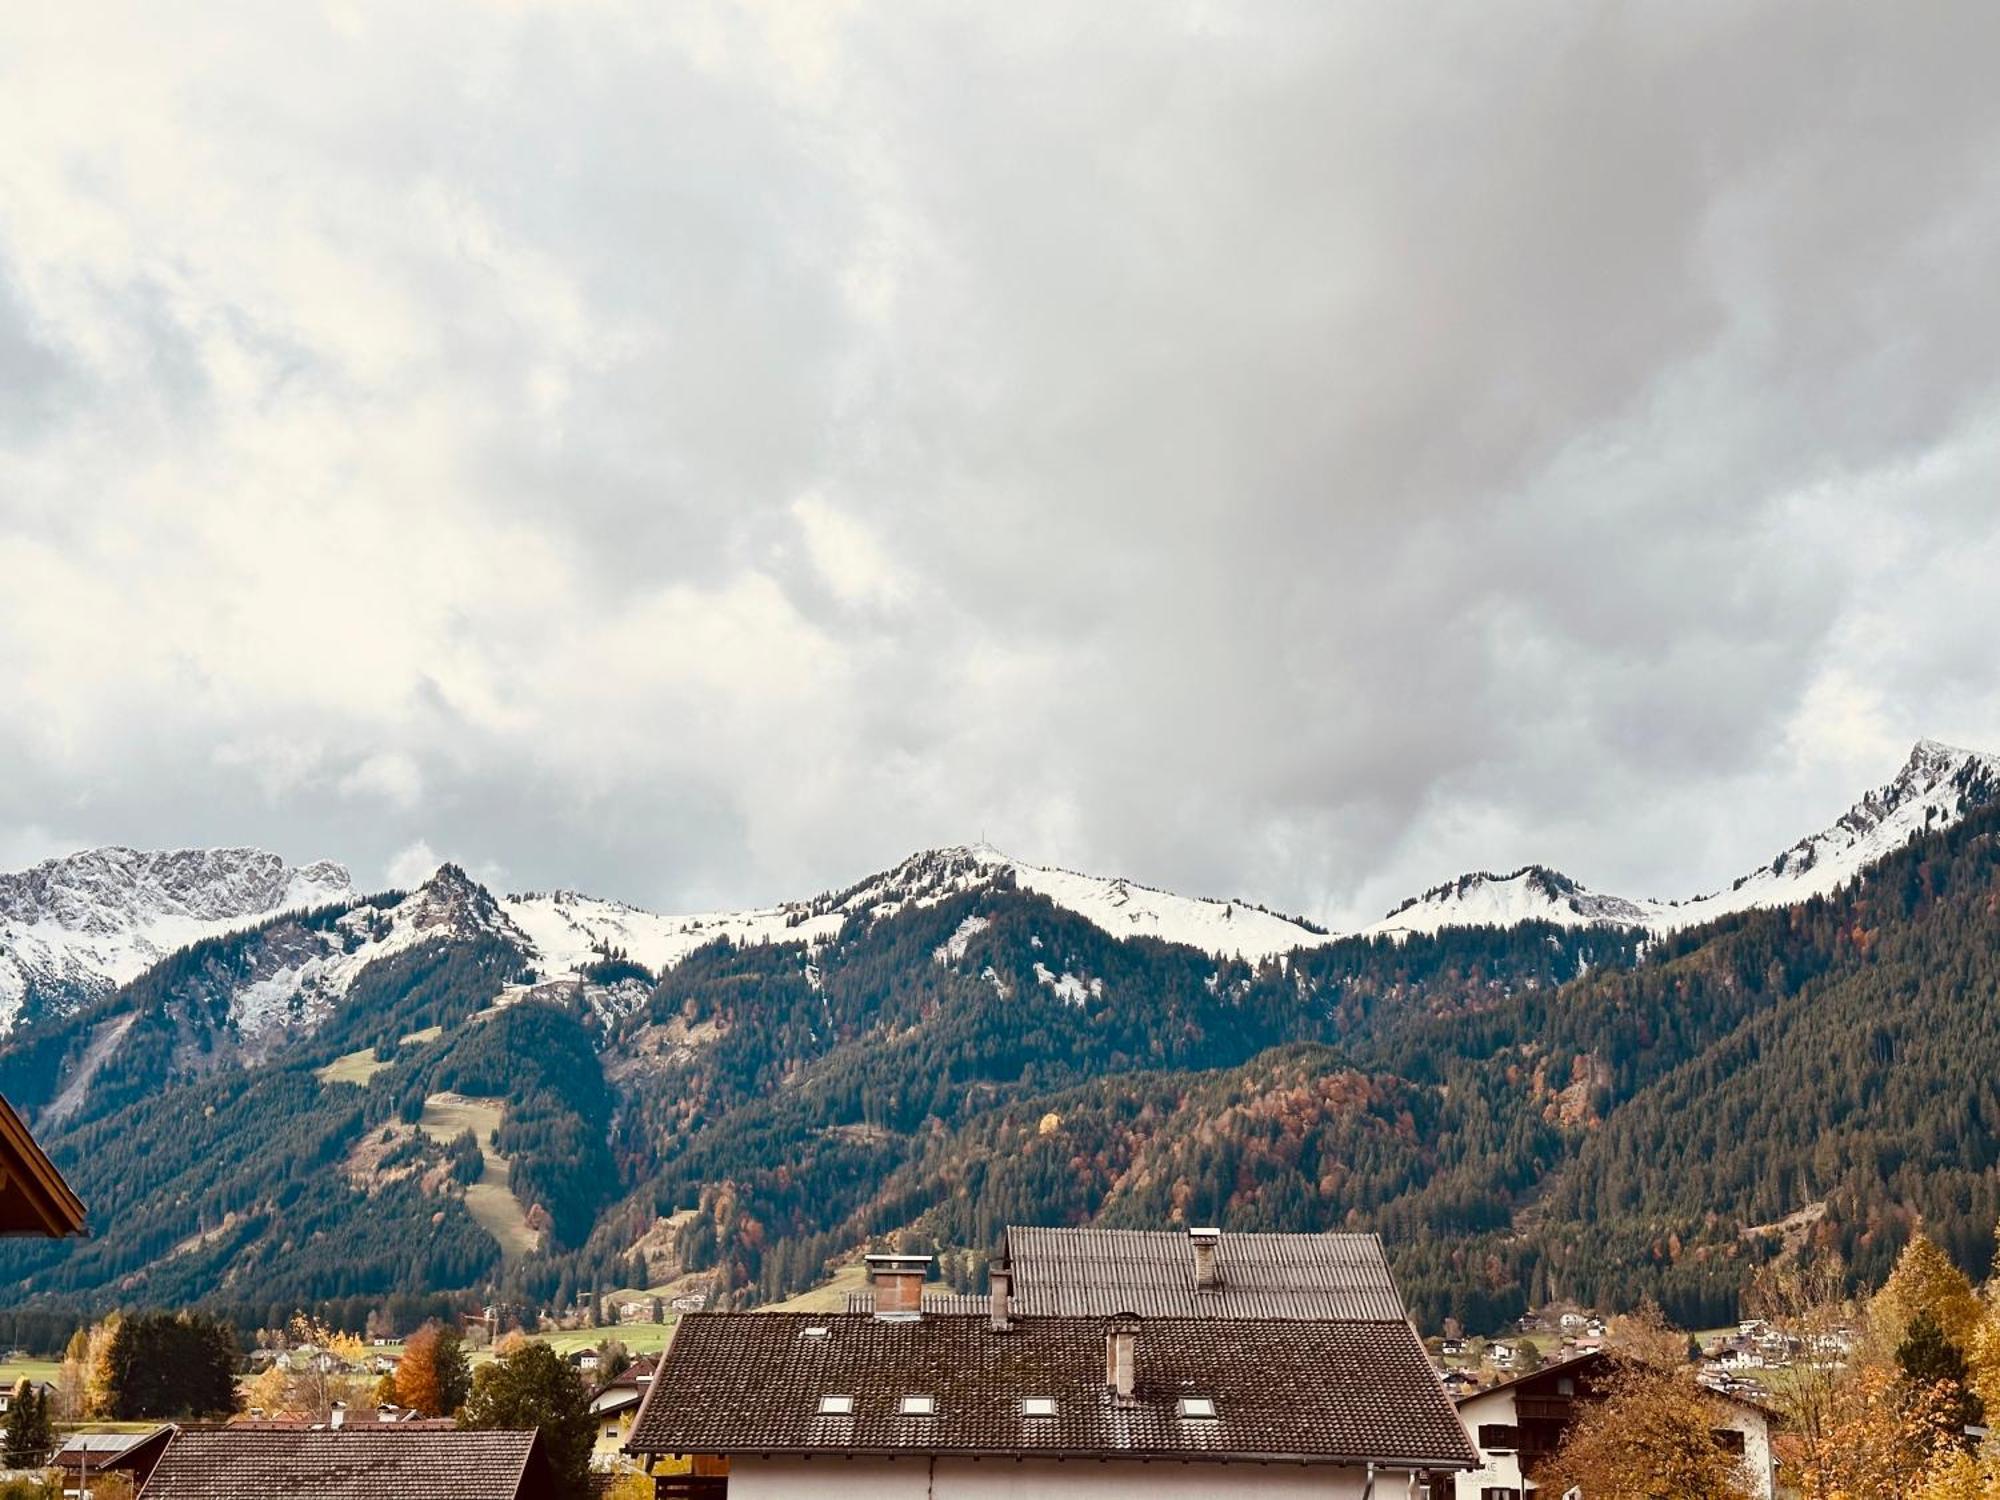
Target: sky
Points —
{"points": [[700, 453]]}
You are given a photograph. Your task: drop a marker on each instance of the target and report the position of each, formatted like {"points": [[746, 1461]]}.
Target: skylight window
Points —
{"points": [[919, 1406], [1197, 1408], [1038, 1406], [815, 1332], [836, 1406]]}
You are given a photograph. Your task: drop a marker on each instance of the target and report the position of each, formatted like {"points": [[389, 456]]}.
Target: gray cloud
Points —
{"points": [[1293, 450]]}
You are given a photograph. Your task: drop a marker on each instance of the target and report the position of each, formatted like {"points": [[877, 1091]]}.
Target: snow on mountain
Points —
{"points": [[78, 926], [570, 931], [1937, 786], [1532, 894], [1123, 908], [300, 974]]}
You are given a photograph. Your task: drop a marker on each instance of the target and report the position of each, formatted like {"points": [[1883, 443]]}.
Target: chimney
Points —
{"points": [[1000, 1288], [898, 1284], [337, 1417], [1207, 1276], [1121, 1358]]}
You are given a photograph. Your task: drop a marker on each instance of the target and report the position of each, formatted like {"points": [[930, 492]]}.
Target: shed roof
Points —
{"points": [[1296, 1391], [1098, 1272]]}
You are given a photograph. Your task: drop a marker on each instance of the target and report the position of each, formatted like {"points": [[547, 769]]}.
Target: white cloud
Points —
{"points": [[700, 453], [391, 777]]}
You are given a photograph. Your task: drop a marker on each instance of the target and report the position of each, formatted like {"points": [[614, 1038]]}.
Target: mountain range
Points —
{"points": [[76, 928], [273, 1090]]}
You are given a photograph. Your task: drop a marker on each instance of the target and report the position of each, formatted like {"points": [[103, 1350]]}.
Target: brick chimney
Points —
{"points": [[898, 1284], [1207, 1275], [1121, 1358], [1000, 1294]]}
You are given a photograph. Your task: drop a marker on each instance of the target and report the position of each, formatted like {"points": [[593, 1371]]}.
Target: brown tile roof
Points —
{"points": [[34, 1199], [1099, 1272], [386, 1461], [1296, 1390]]}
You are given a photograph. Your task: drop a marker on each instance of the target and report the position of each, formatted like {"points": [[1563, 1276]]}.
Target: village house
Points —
{"points": [[613, 1407], [1102, 1363], [40, 1388], [1518, 1423]]}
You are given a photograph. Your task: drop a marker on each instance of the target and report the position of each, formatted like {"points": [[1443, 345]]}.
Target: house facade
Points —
{"points": [[1518, 1424], [1027, 1399], [613, 1408]]}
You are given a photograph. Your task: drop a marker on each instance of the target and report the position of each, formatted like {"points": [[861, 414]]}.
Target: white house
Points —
{"points": [[1515, 1425], [904, 1402]]}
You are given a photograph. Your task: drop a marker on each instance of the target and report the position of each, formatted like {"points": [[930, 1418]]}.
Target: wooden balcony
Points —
{"points": [[1543, 1408]]}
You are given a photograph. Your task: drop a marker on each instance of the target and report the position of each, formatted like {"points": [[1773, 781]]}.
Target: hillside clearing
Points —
{"points": [[490, 1200], [354, 1067]]}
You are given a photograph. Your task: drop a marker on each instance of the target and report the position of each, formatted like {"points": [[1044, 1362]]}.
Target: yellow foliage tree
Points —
{"points": [[1925, 1281], [1651, 1438]]}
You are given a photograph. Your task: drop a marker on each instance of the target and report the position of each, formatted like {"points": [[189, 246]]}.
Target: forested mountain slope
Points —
{"points": [[274, 1116]]}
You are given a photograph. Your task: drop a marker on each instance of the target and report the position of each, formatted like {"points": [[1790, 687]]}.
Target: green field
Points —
{"points": [[640, 1338], [829, 1295], [354, 1067], [490, 1200], [13, 1372]]}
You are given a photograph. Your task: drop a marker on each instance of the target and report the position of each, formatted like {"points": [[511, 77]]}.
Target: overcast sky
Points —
{"points": [[701, 452]]}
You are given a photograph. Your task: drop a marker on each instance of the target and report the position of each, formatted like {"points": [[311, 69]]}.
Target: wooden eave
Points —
{"points": [[34, 1199]]}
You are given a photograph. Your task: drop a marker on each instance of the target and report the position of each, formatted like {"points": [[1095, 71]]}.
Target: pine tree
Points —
{"points": [[20, 1436]]}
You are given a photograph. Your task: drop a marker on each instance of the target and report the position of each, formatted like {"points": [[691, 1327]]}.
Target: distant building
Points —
{"points": [[614, 1406], [38, 1387], [1045, 1394]]}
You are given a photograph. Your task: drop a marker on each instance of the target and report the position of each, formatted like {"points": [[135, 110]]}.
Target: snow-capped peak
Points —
{"points": [[85, 923], [1533, 893], [1123, 908], [1938, 785]]}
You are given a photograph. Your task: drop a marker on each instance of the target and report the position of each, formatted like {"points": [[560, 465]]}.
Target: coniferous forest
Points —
{"points": [[1523, 1114]]}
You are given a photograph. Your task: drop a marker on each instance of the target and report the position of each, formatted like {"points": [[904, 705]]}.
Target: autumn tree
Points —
{"points": [[1652, 1437], [1926, 1281], [313, 1370], [1933, 1364], [530, 1385], [434, 1376]]}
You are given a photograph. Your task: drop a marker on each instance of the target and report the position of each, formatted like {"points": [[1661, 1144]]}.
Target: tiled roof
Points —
{"points": [[381, 1462], [1299, 1390], [1099, 1272]]}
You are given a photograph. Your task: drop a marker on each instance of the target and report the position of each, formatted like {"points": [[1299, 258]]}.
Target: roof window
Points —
{"points": [[817, 1331], [1196, 1408], [1038, 1406], [919, 1406], [836, 1406]]}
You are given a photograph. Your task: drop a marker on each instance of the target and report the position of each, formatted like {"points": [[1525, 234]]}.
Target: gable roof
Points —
{"points": [[1099, 1272], [34, 1199], [386, 1461], [1580, 1364], [1296, 1391]]}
